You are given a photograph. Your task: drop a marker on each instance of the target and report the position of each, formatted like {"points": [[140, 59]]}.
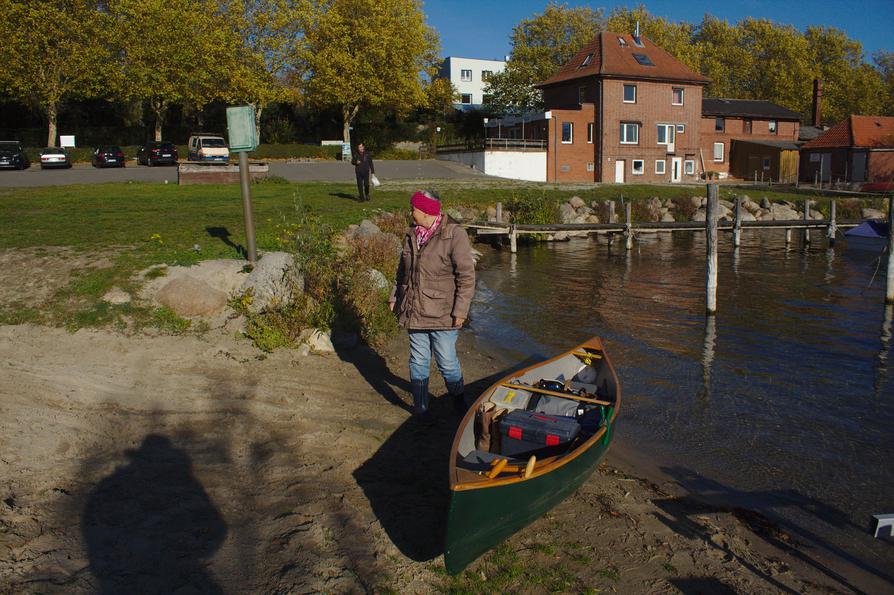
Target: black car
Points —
{"points": [[12, 155], [108, 156], [156, 152]]}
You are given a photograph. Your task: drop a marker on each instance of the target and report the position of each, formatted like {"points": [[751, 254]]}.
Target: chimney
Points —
{"points": [[817, 101]]}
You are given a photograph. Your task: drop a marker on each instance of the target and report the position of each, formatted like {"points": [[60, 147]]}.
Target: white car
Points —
{"points": [[208, 147], [54, 157]]}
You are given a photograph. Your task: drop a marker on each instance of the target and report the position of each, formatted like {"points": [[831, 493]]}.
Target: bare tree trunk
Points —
{"points": [[52, 117], [259, 109], [348, 112], [160, 108]]}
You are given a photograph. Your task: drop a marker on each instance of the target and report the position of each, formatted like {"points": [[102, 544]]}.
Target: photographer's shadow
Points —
{"points": [[150, 526]]}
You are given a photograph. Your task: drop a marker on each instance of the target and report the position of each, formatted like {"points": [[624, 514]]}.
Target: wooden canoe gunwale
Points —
{"points": [[552, 463]]}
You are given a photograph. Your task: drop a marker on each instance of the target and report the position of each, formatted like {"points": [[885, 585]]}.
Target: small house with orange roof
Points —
{"points": [[623, 110], [857, 149]]}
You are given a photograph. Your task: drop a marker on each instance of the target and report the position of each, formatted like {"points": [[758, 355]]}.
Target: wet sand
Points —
{"points": [[197, 464]]}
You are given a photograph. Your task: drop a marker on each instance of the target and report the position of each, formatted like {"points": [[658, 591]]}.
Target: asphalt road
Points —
{"points": [[321, 171]]}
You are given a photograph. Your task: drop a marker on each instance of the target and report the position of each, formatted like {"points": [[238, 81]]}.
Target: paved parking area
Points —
{"points": [[321, 171]]}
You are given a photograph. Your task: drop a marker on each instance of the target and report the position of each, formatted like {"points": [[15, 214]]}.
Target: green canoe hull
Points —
{"points": [[479, 519]]}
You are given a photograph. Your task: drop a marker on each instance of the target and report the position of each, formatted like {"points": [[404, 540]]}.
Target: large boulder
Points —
{"points": [[566, 213], [190, 297], [273, 281], [378, 279], [576, 202], [868, 213]]}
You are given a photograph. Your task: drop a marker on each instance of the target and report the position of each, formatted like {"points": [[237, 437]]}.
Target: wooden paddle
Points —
{"points": [[553, 393], [502, 465]]}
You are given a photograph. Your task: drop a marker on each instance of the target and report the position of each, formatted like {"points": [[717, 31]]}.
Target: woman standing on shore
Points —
{"points": [[432, 296]]}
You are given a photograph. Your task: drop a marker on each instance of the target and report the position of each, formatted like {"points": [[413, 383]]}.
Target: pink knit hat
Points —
{"points": [[426, 203]]}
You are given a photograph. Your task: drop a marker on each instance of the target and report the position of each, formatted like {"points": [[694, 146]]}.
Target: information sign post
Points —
{"points": [[243, 138]]}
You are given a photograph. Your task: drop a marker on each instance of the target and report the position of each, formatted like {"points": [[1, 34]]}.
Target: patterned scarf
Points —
{"points": [[423, 234]]}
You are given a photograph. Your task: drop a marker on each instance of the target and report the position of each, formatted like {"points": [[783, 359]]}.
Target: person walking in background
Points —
{"points": [[363, 166], [432, 297]]}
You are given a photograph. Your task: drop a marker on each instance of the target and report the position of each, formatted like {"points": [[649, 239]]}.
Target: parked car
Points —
{"points": [[108, 156], [12, 155], [156, 152], [208, 147], [54, 157]]}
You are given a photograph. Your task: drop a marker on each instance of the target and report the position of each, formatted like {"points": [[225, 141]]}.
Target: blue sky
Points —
{"points": [[481, 28]]}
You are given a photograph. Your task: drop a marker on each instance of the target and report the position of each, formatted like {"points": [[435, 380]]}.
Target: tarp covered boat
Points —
{"points": [[528, 442], [872, 234]]}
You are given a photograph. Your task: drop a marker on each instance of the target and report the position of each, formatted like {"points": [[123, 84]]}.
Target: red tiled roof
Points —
{"points": [[856, 131], [610, 59]]}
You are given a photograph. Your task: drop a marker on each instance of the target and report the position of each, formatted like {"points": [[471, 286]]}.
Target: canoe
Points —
{"points": [[495, 494]]}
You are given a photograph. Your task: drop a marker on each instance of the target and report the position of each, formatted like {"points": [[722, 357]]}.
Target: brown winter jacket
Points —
{"points": [[437, 283]]}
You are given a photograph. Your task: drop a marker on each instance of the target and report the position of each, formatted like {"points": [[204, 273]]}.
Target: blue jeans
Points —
{"points": [[443, 344]]}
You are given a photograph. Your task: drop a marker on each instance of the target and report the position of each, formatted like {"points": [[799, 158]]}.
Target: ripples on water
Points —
{"points": [[783, 404]]}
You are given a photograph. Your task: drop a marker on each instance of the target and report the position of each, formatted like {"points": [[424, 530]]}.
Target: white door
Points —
{"points": [[619, 171], [676, 168]]}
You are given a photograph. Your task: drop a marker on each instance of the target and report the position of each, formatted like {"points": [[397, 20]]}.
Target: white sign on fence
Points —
{"points": [[66, 140]]}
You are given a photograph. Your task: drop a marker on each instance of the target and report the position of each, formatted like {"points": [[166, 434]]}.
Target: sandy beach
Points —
{"points": [[197, 464]]}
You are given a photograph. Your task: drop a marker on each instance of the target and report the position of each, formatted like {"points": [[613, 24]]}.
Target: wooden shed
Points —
{"points": [[765, 160]]}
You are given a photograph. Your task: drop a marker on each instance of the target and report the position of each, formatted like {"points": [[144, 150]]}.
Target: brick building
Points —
{"points": [[857, 149], [623, 110], [742, 136]]}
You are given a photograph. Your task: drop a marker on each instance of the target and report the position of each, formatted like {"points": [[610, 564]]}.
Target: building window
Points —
{"points": [[678, 96], [718, 151], [629, 93], [643, 60], [639, 167], [629, 133], [681, 128], [719, 125], [487, 99], [659, 166], [590, 166], [666, 134], [567, 133], [747, 126], [486, 74], [767, 163], [689, 167], [466, 98], [465, 75], [581, 94], [590, 132], [772, 126]]}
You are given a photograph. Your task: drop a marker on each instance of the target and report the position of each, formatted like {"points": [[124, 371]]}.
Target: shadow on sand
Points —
{"points": [[757, 511], [150, 526]]}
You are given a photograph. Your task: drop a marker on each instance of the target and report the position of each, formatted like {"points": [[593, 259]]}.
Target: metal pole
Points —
{"points": [[628, 227], [806, 220], [245, 181], [832, 224], [889, 292], [737, 223], [711, 232], [513, 240], [499, 212]]}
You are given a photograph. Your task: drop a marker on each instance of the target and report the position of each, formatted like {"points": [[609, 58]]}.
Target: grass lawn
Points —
{"points": [[139, 225]]}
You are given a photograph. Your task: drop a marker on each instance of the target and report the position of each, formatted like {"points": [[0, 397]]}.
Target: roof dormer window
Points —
{"points": [[586, 61], [622, 42]]}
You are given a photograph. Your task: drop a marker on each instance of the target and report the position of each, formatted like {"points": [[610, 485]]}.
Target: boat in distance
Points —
{"points": [[529, 441]]}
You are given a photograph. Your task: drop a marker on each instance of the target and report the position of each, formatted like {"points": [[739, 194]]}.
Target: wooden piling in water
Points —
{"points": [[711, 233], [513, 239], [889, 290], [499, 212], [832, 225], [628, 227], [806, 219], [737, 222], [788, 237]]}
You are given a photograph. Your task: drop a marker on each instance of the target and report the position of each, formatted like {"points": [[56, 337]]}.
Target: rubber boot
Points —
{"points": [[419, 390], [457, 391]]}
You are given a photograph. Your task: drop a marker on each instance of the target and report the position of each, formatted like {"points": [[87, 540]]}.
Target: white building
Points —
{"points": [[469, 76]]}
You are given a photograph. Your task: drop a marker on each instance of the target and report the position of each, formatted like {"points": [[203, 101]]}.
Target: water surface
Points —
{"points": [[782, 403]]}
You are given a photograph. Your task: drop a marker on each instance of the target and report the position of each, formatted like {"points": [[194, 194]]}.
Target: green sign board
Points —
{"points": [[241, 128]]}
